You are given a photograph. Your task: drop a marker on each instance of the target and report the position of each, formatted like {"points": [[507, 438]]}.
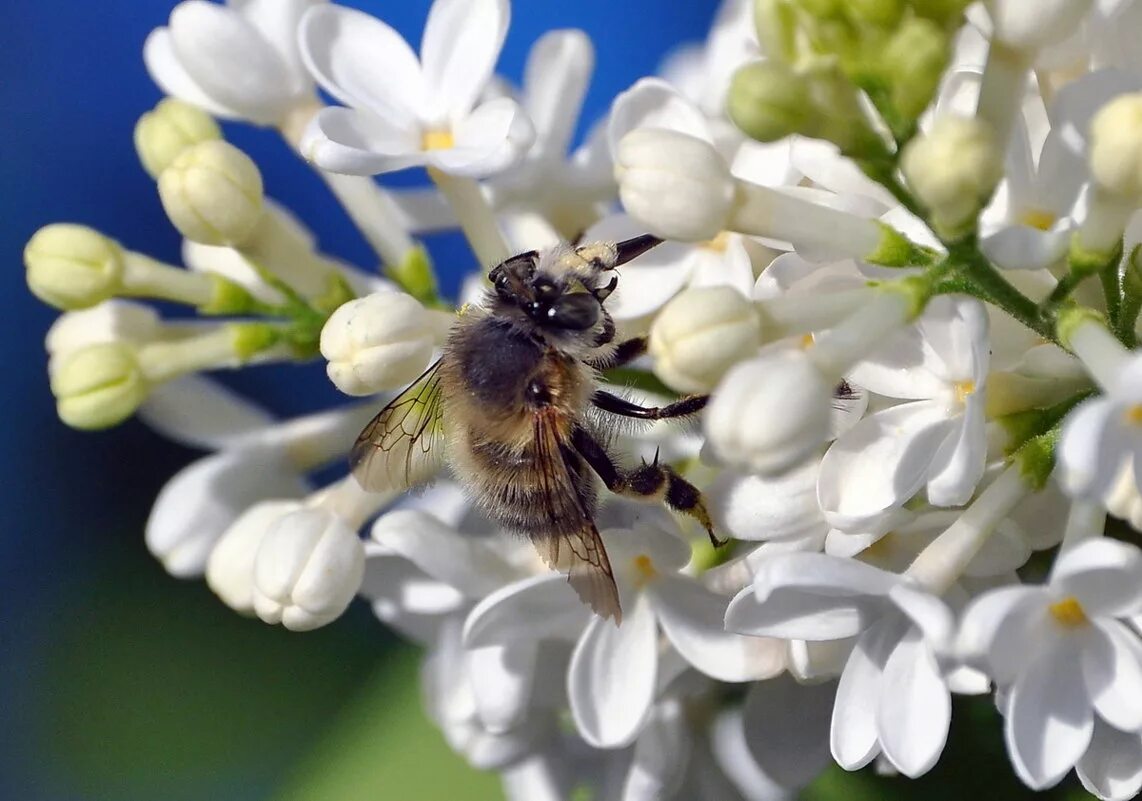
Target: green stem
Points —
{"points": [[974, 275], [1111, 280], [884, 173], [1067, 284]]}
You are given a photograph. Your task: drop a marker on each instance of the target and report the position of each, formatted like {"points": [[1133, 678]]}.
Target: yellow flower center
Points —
{"points": [[806, 341], [1037, 218], [437, 140], [964, 389], [1068, 612], [1133, 415], [644, 570], [719, 243]]}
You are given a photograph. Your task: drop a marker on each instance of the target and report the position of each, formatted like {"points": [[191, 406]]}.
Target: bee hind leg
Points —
{"points": [[691, 404], [647, 481]]}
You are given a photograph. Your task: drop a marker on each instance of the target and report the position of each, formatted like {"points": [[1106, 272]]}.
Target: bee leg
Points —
{"points": [[625, 352], [647, 481], [691, 404]]}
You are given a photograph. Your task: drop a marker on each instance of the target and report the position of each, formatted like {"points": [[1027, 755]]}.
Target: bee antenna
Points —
{"points": [[633, 248]]}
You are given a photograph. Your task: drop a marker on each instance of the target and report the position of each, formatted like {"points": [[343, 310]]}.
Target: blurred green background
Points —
{"points": [[119, 682]]}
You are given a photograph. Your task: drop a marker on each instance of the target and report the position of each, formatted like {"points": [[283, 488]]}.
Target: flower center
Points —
{"points": [[964, 390], [1133, 415], [644, 571], [1069, 612], [806, 341], [1037, 218], [719, 243], [437, 140]]}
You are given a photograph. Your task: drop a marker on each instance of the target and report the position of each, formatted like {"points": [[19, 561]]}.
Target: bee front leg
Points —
{"points": [[647, 481], [625, 352]]}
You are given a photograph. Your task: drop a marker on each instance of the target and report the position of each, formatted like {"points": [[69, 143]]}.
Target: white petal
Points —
{"points": [[930, 614], [1089, 449], [897, 368], [692, 618], [465, 563], [853, 732], [958, 464], [653, 103], [1048, 719], [462, 40], [168, 72], [1021, 247], [610, 683], [354, 142], [914, 707], [277, 21], [660, 755], [1112, 668], [539, 607], [787, 728], [362, 62], [881, 462], [730, 266], [228, 58], [1111, 768], [555, 80], [494, 136], [501, 677], [1004, 629], [954, 335], [822, 163], [1104, 575], [762, 508], [406, 598], [728, 742], [198, 411], [200, 502]]}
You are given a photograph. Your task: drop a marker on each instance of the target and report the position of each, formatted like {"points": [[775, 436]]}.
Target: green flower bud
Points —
{"points": [[943, 12], [212, 192], [822, 9], [776, 23], [768, 101], [173, 126], [882, 13], [914, 61], [73, 266], [99, 386]]}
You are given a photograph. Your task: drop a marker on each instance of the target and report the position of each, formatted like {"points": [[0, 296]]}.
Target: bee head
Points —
{"points": [[561, 289]]}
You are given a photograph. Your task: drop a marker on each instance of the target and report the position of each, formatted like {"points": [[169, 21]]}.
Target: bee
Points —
{"points": [[514, 408]]}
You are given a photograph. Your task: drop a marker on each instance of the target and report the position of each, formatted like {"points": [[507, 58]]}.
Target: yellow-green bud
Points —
{"points": [[822, 9], [173, 126], [914, 60], [768, 101], [73, 266], [944, 12], [1116, 147], [882, 13], [212, 192], [776, 24], [99, 386]]}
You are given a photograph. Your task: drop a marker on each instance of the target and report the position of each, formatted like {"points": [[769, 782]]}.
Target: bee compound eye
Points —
{"points": [[545, 289], [577, 312]]}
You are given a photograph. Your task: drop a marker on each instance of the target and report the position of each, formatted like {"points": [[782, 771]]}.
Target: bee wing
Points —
{"points": [[581, 553], [403, 445]]}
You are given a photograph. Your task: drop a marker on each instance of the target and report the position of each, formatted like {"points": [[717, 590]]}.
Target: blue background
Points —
{"points": [[117, 681]]}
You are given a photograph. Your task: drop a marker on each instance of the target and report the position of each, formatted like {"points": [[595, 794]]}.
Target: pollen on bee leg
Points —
{"points": [[1069, 612], [644, 570]]}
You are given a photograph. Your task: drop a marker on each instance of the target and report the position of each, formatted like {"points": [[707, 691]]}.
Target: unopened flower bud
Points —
{"points": [[378, 342], [169, 129], [230, 568], [768, 101], [882, 13], [700, 334], [771, 413], [942, 12], [676, 185], [112, 321], [307, 570], [1116, 146], [212, 192], [776, 24], [98, 386], [953, 169], [915, 59], [72, 266], [1032, 26]]}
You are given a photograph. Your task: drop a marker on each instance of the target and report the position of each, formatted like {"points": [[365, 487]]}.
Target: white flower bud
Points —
{"points": [[700, 334], [110, 321], [308, 568], [172, 127], [230, 568], [1116, 146], [770, 414], [212, 192], [98, 386], [954, 169], [378, 342], [674, 184], [1032, 26], [73, 266]]}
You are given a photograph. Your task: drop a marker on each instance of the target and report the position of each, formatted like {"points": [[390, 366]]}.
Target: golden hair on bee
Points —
{"points": [[513, 408]]}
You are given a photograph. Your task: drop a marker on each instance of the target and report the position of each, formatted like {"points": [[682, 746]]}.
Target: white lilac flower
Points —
{"points": [[1063, 658], [936, 441], [239, 60], [404, 111], [892, 697], [612, 676]]}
